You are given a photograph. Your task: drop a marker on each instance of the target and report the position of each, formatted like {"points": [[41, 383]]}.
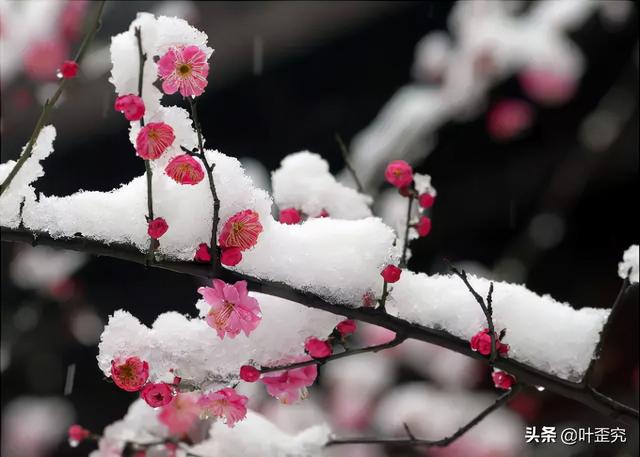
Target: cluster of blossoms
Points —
{"points": [[290, 385], [292, 216], [414, 186], [178, 410], [184, 69], [481, 342]]}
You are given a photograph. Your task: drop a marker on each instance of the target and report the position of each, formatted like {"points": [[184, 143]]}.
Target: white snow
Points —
{"points": [[630, 262], [255, 436], [21, 189], [197, 354], [304, 182]]}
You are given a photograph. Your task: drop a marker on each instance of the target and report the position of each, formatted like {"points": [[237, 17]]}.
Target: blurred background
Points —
{"points": [[540, 195]]}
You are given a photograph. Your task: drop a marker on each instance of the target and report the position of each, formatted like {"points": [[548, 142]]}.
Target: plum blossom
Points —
{"points": [[232, 309], [184, 169], [241, 230], [153, 139], [547, 87], [230, 256], [317, 348], [180, 414], [249, 373], [130, 374], [426, 200], [131, 106], [290, 216], [157, 227], [184, 69], [502, 379], [508, 119], [158, 394], [346, 327], [391, 274], [399, 174], [423, 226], [77, 434], [202, 253], [481, 342], [42, 59], [289, 386], [225, 403], [68, 69]]}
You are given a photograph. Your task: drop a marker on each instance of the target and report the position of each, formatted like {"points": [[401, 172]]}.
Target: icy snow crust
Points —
{"points": [[337, 259], [630, 262], [255, 436]]}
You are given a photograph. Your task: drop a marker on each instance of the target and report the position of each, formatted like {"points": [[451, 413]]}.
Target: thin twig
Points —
{"points": [[50, 103], [379, 347], [345, 157], [526, 375], [403, 259], [487, 309], [147, 164], [215, 263], [413, 441]]}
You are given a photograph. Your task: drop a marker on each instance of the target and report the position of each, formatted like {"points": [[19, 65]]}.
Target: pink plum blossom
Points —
{"points": [[230, 256], [225, 403], [508, 119], [159, 394], [424, 226], [68, 69], [289, 216], [77, 434], [184, 69], [481, 342], [180, 414], [249, 373], [426, 200], [391, 274], [130, 374], [232, 309], [502, 379], [289, 386], [202, 253], [184, 169], [346, 327], [241, 230], [317, 348], [399, 174], [547, 87], [157, 227], [153, 139], [42, 59], [131, 106]]}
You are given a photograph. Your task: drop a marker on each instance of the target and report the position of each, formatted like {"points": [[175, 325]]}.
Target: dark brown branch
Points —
{"points": [[525, 374], [615, 309], [379, 347], [50, 103], [213, 249], [413, 441], [345, 156]]}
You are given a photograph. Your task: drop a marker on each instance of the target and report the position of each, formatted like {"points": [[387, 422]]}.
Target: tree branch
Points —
{"points": [[525, 374], [405, 246], [50, 103], [347, 353], [413, 441], [345, 157]]}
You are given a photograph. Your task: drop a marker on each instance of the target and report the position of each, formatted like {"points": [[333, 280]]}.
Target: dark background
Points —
{"points": [[332, 74]]}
